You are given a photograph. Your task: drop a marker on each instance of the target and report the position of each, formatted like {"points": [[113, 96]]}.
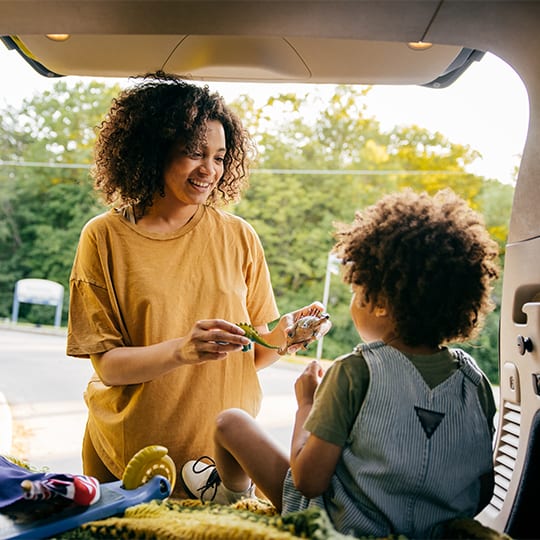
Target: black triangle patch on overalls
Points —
{"points": [[430, 420]]}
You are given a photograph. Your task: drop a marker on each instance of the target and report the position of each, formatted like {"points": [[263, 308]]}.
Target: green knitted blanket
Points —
{"points": [[251, 519]]}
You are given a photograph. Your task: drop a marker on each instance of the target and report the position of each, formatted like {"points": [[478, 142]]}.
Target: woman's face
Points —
{"points": [[191, 178]]}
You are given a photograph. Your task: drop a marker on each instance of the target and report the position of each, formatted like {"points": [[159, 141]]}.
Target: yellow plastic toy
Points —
{"points": [[148, 462]]}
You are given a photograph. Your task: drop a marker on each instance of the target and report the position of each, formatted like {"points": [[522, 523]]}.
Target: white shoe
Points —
{"points": [[201, 481]]}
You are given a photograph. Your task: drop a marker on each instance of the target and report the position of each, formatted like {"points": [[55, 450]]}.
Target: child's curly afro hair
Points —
{"points": [[429, 258]]}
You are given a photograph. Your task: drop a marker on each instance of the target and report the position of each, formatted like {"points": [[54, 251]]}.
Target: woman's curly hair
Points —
{"points": [[142, 126], [430, 258]]}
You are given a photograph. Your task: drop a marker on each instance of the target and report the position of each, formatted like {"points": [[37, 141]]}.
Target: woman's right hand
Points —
{"points": [[207, 340], [210, 339]]}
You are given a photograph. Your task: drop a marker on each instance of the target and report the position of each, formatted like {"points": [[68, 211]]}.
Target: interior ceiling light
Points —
{"points": [[58, 37], [419, 45], [422, 45]]}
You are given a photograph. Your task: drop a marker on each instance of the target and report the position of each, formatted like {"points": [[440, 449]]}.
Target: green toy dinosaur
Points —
{"points": [[303, 332], [252, 334]]}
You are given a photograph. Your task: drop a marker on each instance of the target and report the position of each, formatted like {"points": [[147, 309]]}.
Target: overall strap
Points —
{"points": [[467, 365]]}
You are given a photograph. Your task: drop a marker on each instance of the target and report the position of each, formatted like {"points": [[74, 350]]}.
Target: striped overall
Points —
{"points": [[414, 455]]}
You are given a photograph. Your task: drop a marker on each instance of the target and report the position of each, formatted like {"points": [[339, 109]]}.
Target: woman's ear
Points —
{"points": [[381, 311]]}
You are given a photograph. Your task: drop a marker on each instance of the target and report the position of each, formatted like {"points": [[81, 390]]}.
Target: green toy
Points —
{"points": [[252, 334]]}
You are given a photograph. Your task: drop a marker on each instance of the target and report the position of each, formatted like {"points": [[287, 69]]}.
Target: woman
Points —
{"points": [[159, 280]]}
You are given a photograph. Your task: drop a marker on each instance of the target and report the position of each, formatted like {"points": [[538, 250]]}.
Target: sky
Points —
{"points": [[486, 108]]}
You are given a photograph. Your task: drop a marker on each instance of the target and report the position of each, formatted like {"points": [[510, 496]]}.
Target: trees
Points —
{"points": [[323, 161], [44, 203], [320, 159]]}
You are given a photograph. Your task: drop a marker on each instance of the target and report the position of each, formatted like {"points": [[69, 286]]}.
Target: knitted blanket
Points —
{"points": [[251, 519]]}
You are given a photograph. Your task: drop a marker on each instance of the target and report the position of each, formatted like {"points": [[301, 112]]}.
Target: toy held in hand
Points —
{"points": [[252, 334], [304, 331]]}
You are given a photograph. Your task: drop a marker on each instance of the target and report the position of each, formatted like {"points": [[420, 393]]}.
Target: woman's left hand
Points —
{"points": [[287, 324]]}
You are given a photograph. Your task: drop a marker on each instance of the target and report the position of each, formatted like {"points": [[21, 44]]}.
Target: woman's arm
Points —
{"points": [[208, 340]]}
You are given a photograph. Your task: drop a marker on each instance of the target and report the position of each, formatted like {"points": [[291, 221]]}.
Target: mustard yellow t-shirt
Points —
{"points": [[130, 287]]}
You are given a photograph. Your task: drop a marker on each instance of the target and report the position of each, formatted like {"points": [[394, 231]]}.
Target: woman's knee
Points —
{"points": [[92, 463]]}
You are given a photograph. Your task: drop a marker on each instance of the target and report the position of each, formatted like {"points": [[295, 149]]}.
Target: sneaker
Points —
{"points": [[201, 481]]}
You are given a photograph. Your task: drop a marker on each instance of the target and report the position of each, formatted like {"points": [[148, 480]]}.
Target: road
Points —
{"points": [[43, 388]]}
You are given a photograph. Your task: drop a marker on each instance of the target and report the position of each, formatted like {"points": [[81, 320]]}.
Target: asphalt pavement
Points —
{"points": [[46, 430]]}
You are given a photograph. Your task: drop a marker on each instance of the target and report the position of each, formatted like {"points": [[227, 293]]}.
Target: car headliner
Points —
{"points": [[358, 41]]}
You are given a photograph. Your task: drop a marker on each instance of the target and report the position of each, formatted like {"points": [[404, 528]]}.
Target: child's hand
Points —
{"points": [[307, 383]]}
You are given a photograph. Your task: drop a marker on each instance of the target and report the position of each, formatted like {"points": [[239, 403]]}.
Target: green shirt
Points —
{"points": [[342, 391]]}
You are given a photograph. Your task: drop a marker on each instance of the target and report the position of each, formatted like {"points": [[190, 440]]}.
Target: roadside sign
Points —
{"points": [[38, 291]]}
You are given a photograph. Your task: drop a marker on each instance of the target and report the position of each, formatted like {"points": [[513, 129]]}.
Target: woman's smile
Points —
{"points": [[199, 184], [191, 177]]}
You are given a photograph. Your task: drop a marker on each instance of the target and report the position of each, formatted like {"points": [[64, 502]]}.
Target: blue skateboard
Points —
{"points": [[47, 519]]}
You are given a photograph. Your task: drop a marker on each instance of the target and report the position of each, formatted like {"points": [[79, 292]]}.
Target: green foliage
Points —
{"points": [[43, 207], [319, 160], [325, 160], [486, 345]]}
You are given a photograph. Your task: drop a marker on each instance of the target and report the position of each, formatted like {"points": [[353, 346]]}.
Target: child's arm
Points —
{"points": [[313, 460]]}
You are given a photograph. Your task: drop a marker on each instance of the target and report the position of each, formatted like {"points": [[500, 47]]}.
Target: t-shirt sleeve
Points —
{"points": [[94, 324], [92, 328], [338, 399]]}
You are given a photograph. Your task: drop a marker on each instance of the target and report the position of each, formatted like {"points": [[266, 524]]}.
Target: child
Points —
{"points": [[397, 438]]}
